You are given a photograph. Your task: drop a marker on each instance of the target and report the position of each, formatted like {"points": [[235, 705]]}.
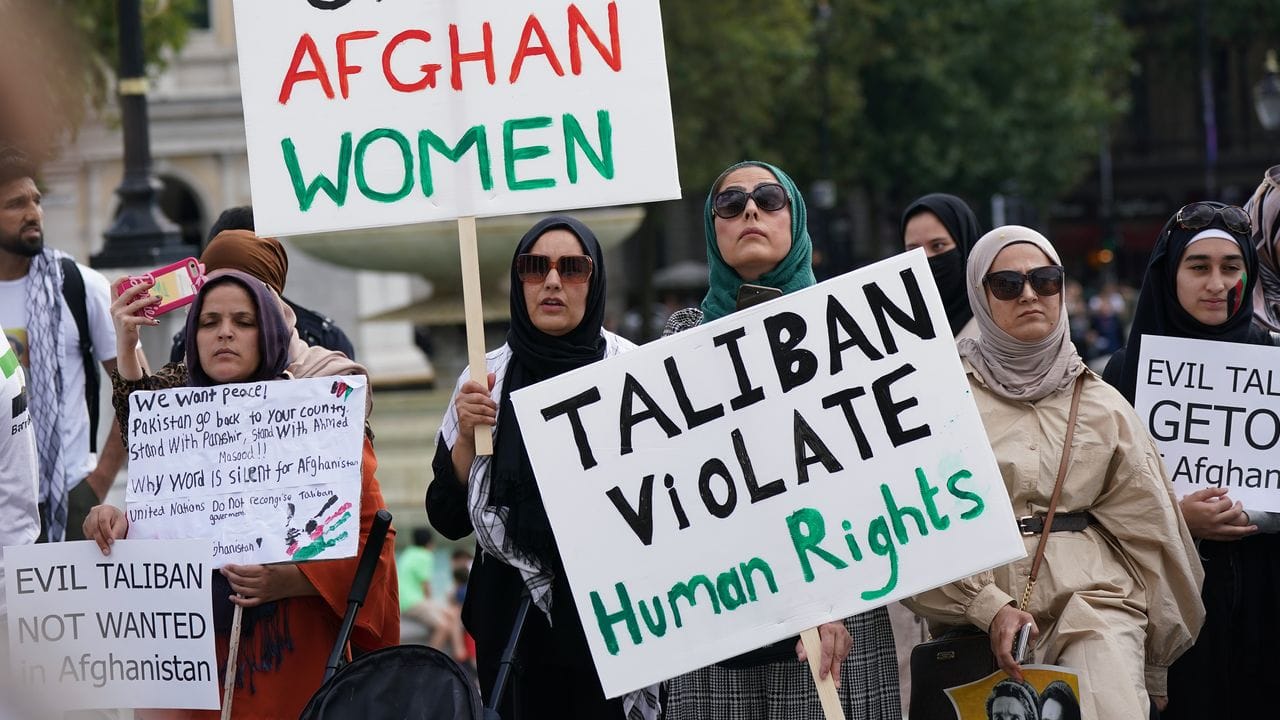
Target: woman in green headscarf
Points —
{"points": [[757, 236]]}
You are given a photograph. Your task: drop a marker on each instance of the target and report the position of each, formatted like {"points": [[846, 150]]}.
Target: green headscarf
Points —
{"points": [[793, 273]]}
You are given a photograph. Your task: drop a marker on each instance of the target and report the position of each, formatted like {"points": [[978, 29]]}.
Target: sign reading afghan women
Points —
{"points": [[363, 114], [794, 463]]}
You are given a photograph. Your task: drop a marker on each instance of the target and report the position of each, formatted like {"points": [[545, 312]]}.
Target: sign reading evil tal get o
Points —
{"points": [[365, 114]]}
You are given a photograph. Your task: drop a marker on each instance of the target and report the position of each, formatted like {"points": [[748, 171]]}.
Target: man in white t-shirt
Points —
{"points": [[19, 475], [40, 327]]}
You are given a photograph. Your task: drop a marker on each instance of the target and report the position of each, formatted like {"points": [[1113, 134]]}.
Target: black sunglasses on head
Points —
{"points": [[573, 269], [1007, 284], [729, 204], [1199, 215]]}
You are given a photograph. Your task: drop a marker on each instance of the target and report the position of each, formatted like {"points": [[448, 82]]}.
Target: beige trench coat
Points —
{"points": [[1121, 600]]}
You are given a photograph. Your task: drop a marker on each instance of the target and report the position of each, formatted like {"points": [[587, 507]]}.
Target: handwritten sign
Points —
{"points": [[1214, 411], [269, 470], [369, 113], [791, 464], [134, 629]]}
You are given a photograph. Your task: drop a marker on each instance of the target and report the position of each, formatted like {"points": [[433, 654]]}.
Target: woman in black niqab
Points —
{"points": [[948, 267]]}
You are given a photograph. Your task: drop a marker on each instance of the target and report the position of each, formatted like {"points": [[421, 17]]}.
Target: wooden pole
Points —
{"points": [[232, 651], [474, 311], [826, 686]]}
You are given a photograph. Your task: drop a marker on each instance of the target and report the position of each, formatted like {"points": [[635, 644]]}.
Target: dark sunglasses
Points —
{"points": [[729, 204], [1200, 215], [1007, 284], [573, 269]]}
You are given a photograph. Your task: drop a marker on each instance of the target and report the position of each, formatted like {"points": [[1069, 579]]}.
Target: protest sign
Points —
{"points": [[791, 464], [1049, 692], [128, 630], [365, 114], [1214, 411], [269, 470]]}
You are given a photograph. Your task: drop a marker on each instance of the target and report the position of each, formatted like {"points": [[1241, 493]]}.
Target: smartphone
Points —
{"points": [[176, 284], [1020, 644], [749, 295]]}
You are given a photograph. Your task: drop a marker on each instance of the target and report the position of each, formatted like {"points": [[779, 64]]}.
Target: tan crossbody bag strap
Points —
{"points": [[1057, 492]]}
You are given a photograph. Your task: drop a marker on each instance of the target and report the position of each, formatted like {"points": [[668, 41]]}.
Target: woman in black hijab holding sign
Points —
{"points": [[1200, 285], [946, 228], [557, 312]]}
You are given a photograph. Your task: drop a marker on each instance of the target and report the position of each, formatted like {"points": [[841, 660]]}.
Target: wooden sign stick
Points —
{"points": [[826, 686], [232, 651], [474, 312]]}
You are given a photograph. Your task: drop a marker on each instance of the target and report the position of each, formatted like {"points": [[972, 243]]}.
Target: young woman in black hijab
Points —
{"points": [[1200, 284], [947, 229], [557, 312]]}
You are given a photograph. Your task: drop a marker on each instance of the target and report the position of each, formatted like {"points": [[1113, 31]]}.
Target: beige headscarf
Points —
{"points": [[1264, 211], [307, 361], [1014, 369]]}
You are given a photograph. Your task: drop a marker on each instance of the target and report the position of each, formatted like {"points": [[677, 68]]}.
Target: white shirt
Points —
{"points": [[75, 418], [19, 474]]}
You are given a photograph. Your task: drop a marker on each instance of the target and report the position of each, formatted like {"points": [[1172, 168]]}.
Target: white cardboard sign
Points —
{"points": [[129, 630], [791, 464], [1214, 411], [269, 470], [366, 114]]}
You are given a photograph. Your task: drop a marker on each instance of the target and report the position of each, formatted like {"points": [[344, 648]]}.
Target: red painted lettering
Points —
{"points": [[346, 70], [306, 47], [532, 26], [577, 23], [429, 70], [460, 57]]}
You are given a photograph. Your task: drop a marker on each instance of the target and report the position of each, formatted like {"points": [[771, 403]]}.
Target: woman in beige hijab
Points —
{"points": [[1117, 596]]}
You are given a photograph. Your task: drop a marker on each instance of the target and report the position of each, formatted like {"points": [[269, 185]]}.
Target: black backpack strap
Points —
{"points": [[73, 292]]}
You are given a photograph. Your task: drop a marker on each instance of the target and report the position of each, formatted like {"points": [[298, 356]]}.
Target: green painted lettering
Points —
{"points": [[855, 550], [882, 544], [475, 137], [761, 567], [688, 592], [607, 620], [573, 136], [306, 192], [406, 154], [659, 626], [896, 514], [953, 487], [927, 491], [729, 587], [511, 154], [806, 540]]}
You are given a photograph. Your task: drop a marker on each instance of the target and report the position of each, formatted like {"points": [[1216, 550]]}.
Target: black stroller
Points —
{"points": [[402, 682]]}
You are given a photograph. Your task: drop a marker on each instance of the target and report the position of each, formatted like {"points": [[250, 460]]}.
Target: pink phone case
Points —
{"points": [[177, 283]]}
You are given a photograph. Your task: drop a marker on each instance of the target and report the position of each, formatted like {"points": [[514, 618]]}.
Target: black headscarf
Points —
{"points": [[948, 268], [1159, 313], [537, 356]]}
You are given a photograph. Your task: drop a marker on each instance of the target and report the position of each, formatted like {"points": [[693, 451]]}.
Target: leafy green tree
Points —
{"points": [[983, 96]]}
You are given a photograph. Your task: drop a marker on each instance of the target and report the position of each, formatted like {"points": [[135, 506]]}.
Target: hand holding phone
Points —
{"points": [[175, 284], [1020, 644]]}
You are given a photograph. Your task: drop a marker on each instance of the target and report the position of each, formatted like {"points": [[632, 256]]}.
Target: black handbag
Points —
{"points": [[964, 655]]}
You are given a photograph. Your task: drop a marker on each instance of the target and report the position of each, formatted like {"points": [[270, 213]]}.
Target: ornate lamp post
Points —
{"points": [[140, 236], [1266, 95]]}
